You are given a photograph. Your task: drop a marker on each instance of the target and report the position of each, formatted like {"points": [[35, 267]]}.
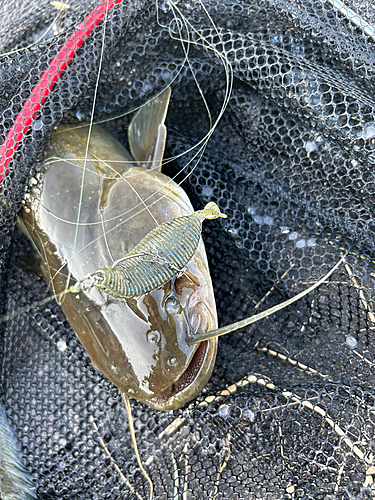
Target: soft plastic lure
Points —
{"points": [[160, 256]]}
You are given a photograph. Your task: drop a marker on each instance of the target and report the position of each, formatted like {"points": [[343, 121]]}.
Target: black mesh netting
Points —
{"points": [[289, 410]]}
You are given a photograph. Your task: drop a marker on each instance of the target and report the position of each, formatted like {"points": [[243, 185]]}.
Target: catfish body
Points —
{"points": [[84, 213]]}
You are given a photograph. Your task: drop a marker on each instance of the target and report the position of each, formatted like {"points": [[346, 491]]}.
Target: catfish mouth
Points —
{"points": [[192, 380]]}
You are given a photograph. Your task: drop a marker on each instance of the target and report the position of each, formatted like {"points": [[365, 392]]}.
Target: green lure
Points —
{"points": [[160, 256]]}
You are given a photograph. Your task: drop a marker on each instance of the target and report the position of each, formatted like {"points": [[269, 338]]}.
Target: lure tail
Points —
{"points": [[211, 211]]}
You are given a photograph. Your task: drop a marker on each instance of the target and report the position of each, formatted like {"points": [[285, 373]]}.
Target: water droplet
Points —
{"points": [[165, 6], [38, 125], [311, 146], [315, 99], [80, 116], [331, 121], [311, 242], [207, 191], [61, 345], [223, 411], [172, 361], [62, 441], [252, 210], [248, 415], [153, 336], [293, 236], [301, 243], [172, 305], [258, 219], [147, 87], [268, 220], [166, 74], [351, 341], [369, 130]]}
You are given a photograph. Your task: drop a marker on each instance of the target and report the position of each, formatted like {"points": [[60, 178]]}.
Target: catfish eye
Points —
{"points": [[172, 305]]}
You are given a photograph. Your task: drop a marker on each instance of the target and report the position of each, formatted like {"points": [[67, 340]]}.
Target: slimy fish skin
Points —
{"points": [[15, 479], [140, 343]]}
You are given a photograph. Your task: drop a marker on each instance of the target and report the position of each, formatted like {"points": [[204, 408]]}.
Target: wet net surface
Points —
{"points": [[289, 410]]}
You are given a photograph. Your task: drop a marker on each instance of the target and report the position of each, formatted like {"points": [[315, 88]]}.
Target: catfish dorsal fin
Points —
{"points": [[147, 132]]}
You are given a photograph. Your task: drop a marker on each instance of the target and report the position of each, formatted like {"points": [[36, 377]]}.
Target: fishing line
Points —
{"points": [[87, 145]]}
